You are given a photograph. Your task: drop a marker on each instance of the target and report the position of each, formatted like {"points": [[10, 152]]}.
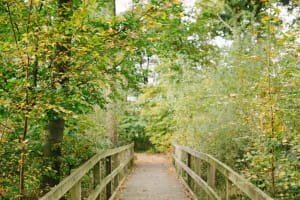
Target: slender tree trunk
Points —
{"points": [[111, 122], [111, 115]]}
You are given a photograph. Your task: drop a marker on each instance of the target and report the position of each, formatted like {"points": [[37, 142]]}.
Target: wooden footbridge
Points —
{"points": [[203, 176]]}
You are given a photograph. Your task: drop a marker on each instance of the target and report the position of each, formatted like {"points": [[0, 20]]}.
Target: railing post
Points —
{"points": [[76, 191], [131, 155], [211, 176], [97, 176], [198, 172], [228, 189], [189, 162], [116, 165], [108, 171], [180, 170]]}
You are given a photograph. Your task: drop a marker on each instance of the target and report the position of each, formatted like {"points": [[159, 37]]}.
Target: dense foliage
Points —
{"points": [[237, 101], [61, 61]]}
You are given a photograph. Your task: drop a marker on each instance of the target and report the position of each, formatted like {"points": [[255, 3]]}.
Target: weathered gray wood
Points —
{"points": [[107, 179], [188, 188], [211, 176], [198, 179], [198, 172], [189, 162], [63, 187], [228, 189], [240, 182], [121, 182], [108, 171], [97, 176], [76, 191]]}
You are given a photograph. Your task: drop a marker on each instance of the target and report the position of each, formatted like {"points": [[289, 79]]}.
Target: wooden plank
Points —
{"points": [[198, 179], [108, 171], [97, 176], [245, 186], [120, 184], [63, 187], [107, 179], [189, 162], [188, 188], [211, 176], [228, 189], [76, 191]]}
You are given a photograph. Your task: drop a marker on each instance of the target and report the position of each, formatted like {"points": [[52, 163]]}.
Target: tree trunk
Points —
{"points": [[111, 116], [52, 149], [55, 128], [111, 122]]}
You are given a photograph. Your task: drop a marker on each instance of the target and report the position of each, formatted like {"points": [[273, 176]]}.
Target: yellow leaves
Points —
{"points": [[111, 31], [26, 85], [177, 2], [276, 19], [84, 28], [84, 49], [111, 45], [266, 18], [164, 15], [128, 48], [152, 39], [264, 0], [42, 45], [285, 141], [23, 60], [77, 21]]}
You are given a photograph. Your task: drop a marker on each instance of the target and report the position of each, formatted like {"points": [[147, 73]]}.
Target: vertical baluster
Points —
{"points": [[189, 164], [108, 171], [180, 171], [116, 165], [228, 189], [198, 172], [97, 176], [131, 155], [211, 176], [76, 191]]}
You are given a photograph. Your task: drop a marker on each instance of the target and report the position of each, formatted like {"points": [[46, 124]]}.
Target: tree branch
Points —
{"points": [[226, 24]]}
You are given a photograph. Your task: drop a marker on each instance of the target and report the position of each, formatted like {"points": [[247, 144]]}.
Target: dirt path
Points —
{"points": [[153, 179]]}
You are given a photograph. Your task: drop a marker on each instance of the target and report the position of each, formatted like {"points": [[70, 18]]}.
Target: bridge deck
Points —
{"points": [[153, 179]]}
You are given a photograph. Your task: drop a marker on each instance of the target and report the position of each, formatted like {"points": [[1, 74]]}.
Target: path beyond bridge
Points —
{"points": [[153, 178]]}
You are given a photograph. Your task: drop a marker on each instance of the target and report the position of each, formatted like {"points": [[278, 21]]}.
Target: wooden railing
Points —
{"points": [[109, 169], [203, 174]]}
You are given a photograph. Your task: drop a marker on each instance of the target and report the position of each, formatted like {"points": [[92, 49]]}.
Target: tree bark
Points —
{"points": [[52, 149]]}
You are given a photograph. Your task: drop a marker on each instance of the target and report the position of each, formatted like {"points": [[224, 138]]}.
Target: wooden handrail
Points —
{"points": [[231, 176], [72, 182]]}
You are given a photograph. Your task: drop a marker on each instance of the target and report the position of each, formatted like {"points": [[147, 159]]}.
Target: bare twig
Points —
{"points": [[226, 24], [12, 25], [26, 113]]}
